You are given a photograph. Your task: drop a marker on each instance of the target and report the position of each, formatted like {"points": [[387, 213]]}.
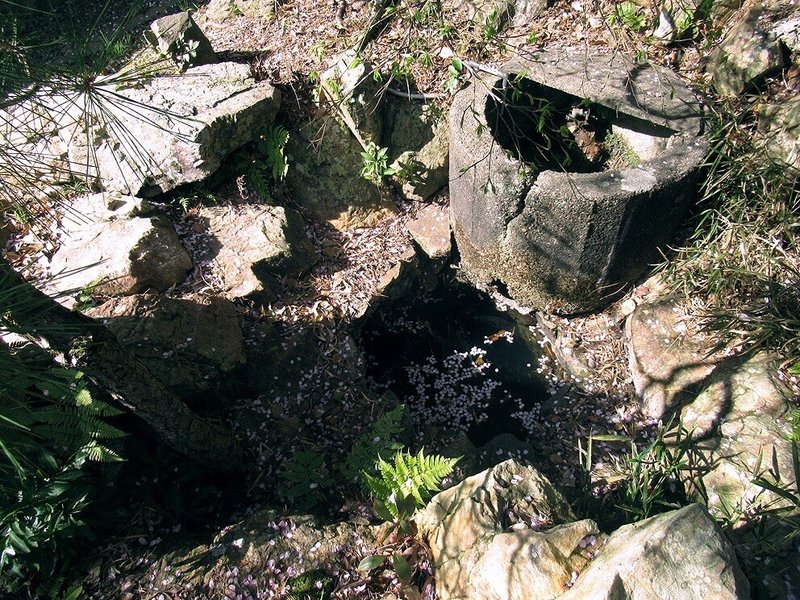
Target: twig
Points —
{"points": [[414, 95]]}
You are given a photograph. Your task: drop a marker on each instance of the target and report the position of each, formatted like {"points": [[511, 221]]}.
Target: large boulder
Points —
{"points": [[324, 165], [680, 555], [757, 44], [191, 344], [735, 408], [166, 131], [417, 137], [536, 205], [496, 535], [252, 246], [117, 245]]}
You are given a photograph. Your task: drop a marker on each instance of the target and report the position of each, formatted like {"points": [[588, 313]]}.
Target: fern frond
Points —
{"points": [[305, 477], [380, 440], [99, 453], [409, 475]]}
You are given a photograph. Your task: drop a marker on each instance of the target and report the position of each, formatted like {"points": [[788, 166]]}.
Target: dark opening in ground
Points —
{"points": [[456, 362], [547, 128]]}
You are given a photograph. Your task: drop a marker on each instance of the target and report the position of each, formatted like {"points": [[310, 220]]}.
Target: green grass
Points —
{"points": [[743, 256]]}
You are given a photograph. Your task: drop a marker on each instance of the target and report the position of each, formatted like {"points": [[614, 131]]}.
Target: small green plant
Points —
{"points": [[376, 166], [399, 489], [409, 171], [318, 50], [400, 68], [195, 197], [272, 146], [185, 52], [491, 25], [652, 476], [380, 440], [306, 477], [406, 483], [311, 585], [455, 72], [264, 160], [85, 297], [181, 50], [628, 14], [689, 19], [620, 153]]}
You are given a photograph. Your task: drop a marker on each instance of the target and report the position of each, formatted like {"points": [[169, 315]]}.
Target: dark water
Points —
{"points": [[455, 361]]}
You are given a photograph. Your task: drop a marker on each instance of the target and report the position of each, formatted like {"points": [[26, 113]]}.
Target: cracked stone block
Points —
{"points": [[164, 132], [176, 34], [118, 245], [569, 175]]}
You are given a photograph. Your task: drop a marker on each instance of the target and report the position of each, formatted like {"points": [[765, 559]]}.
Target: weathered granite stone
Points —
{"points": [[430, 230], [166, 132], [779, 132], [667, 365], [119, 246], [223, 10], [755, 46], [252, 246], [474, 553], [355, 96], [534, 212], [679, 555], [179, 37], [417, 137], [742, 425], [734, 407], [502, 13], [324, 163]]}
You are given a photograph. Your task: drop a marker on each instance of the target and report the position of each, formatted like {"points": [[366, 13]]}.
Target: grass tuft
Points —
{"points": [[743, 257]]}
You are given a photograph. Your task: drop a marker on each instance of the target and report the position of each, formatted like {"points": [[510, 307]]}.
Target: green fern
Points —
{"points": [[50, 425], [271, 145], [380, 440], [306, 477], [57, 409], [408, 476]]}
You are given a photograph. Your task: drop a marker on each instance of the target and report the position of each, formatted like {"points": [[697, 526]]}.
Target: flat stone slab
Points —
{"points": [[667, 365], [536, 205], [191, 344], [430, 229]]}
